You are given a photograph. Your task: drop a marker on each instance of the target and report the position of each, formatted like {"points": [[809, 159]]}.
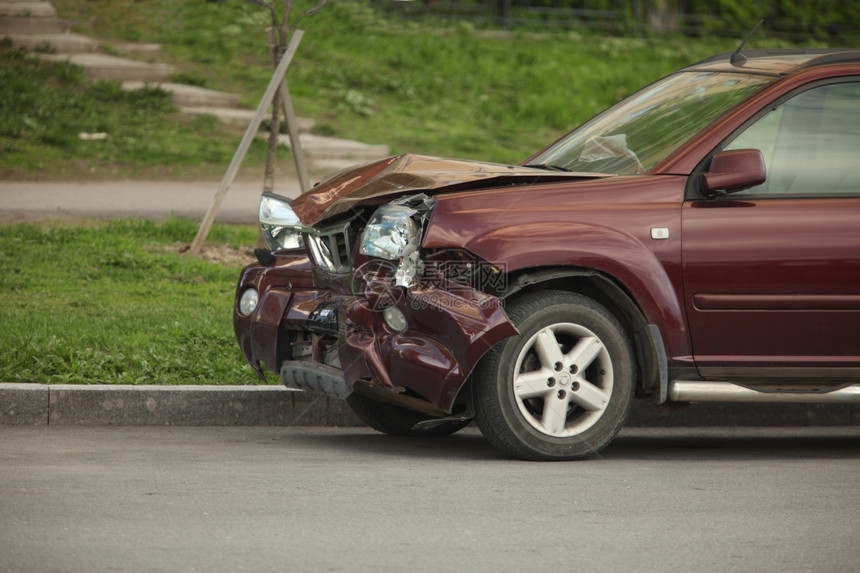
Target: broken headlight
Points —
{"points": [[391, 233], [280, 226], [394, 233]]}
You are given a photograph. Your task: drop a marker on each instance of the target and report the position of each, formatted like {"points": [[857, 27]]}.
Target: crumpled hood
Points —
{"points": [[403, 174]]}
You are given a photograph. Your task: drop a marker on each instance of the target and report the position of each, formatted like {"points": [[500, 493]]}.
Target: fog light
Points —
{"points": [[394, 319], [248, 301]]}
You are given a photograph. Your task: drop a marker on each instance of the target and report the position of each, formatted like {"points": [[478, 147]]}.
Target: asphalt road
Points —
{"points": [[134, 499]]}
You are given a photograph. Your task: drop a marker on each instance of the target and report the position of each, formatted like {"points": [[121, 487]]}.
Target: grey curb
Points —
{"points": [[114, 405]]}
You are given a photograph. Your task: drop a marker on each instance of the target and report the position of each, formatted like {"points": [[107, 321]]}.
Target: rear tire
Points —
{"points": [[397, 421], [560, 390]]}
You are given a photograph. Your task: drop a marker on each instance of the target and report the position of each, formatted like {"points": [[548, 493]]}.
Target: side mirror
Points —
{"points": [[733, 171]]}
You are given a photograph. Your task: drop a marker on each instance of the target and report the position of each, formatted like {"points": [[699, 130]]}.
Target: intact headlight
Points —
{"points": [[279, 223], [248, 301], [389, 232]]}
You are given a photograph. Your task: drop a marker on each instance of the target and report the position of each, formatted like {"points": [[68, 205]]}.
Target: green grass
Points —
{"points": [[439, 89], [116, 303], [44, 108]]}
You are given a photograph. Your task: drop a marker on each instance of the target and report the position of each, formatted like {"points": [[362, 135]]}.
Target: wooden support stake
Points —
{"points": [[276, 81], [293, 127], [275, 124], [283, 102]]}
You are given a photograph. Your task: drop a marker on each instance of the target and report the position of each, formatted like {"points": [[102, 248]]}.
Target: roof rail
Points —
{"points": [[834, 57], [818, 56]]}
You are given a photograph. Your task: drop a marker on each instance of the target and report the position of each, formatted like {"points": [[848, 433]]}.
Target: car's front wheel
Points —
{"points": [[560, 390], [397, 421]]}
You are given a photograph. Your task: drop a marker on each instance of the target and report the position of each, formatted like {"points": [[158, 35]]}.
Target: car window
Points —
{"points": [[810, 143], [642, 130]]}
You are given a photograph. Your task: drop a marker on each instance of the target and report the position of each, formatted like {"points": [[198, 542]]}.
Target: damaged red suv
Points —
{"points": [[698, 241]]}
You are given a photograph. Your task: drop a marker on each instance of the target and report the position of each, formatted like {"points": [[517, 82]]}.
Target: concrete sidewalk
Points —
{"points": [[157, 200]]}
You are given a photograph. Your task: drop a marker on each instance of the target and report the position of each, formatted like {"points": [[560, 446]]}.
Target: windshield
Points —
{"points": [[639, 132]]}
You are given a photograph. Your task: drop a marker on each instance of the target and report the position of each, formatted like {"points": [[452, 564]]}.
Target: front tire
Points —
{"points": [[396, 421], [560, 390]]}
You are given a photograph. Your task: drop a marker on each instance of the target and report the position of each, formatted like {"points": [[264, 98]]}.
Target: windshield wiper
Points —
{"points": [[549, 167]]}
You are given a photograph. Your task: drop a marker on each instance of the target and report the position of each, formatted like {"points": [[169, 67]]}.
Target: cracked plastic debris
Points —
{"points": [[411, 266], [421, 202]]}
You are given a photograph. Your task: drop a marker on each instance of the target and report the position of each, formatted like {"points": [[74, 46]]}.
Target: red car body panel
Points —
{"points": [[603, 225], [759, 295], [409, 174], [260, 334], [731, 286], [449, 332]]}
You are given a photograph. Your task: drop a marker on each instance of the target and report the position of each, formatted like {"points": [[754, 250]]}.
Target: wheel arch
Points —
{"points": [[643, 273]]}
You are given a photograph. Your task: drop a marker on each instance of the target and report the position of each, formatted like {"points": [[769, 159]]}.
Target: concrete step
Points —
{"points": [[322, 169], [104, 67], [240, 117], [33, 17], [27, 9], [137, 47], [33, 25], [231, 116], [190, 96], [319, 148], [55, 43], [328, 155], [25, 25]]}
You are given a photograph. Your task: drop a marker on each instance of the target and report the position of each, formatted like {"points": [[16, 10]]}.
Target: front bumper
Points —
{"points": [[448, 330]]}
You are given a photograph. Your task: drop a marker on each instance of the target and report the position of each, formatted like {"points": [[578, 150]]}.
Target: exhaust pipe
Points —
{"points": [[698, 391]]}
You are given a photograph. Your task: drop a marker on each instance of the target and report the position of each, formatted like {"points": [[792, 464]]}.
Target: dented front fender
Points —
{"points": [[448, 330]]}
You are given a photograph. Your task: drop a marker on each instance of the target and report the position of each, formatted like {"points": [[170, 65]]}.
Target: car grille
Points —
{"points": [[331, 247]]}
